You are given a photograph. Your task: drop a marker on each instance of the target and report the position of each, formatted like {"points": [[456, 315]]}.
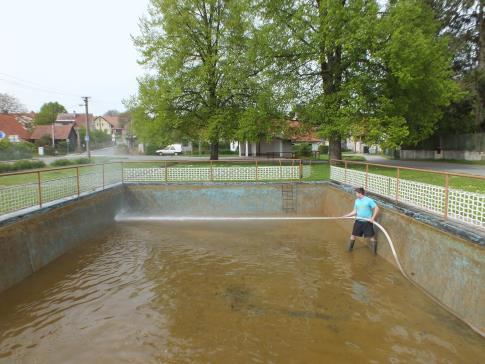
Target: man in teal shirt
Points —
{"points": [[364, 208]]}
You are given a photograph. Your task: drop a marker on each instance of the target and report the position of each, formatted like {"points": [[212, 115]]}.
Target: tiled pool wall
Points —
{"points": [[449, 267]]}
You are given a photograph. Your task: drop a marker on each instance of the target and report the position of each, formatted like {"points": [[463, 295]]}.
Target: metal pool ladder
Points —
{"points": [[288, 195]]}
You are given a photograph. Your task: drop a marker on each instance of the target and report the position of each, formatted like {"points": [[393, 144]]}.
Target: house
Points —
{"points": [[281, 144], [100, 123], [78, 120], [12, 129], [25, 118], [65, 133], [118, 130]]}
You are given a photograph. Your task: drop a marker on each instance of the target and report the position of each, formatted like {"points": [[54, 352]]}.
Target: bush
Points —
{"points": [[11, 151], [69, 162], [323, 149], [303, 149], [61, 163], [20, 166], [150, 149]]}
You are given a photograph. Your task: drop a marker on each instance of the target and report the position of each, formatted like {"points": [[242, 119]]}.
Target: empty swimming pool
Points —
{"points": [[226, 292]]}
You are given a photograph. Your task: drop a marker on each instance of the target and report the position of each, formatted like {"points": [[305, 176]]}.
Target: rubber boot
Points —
{"points": [[351, 245], [373, 246]]}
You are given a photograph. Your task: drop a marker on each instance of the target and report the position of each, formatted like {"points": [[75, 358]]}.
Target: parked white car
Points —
{"points": [[172, 149]]}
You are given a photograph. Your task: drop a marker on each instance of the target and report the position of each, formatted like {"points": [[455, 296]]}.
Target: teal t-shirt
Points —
{"points": [[364, 207]]}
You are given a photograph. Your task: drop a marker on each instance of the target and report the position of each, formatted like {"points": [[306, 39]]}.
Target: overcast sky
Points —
{"points": [[76, 48]]}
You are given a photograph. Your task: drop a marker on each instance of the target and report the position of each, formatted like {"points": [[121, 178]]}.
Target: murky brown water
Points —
{"points": [[226, 292]]}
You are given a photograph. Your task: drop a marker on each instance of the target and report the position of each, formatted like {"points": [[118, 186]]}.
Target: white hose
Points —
{"points": [[386, 234]]}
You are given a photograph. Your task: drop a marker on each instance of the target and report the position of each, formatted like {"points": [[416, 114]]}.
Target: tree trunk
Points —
{"points": [[335, 147], [214, 151]]}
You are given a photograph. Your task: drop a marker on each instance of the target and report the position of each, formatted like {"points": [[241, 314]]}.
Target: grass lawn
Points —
{"points": [[346, 156], [456, 161], [461, 183]]}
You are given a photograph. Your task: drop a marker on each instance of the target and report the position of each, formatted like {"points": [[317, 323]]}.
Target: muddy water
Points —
{"points": [[232, 292]]}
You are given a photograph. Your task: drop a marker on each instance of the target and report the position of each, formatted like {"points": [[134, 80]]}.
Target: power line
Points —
{"points": [[38, 88]]}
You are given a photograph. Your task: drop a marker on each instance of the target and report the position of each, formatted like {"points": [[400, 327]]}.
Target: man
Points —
{"points": [[364, 208]]}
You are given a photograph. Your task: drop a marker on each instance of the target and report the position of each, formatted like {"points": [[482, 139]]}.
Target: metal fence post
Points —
{"points": [[366, 175], [397, 184], [166, 172], [122, 172], [447, 191], [256, 169], [39, 184], [281, 170], [103, 175], [78, 183], [300, 168], [211, 173]]}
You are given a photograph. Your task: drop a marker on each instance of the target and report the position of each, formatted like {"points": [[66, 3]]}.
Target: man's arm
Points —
{"points": [[374, 215], [350, 214]]}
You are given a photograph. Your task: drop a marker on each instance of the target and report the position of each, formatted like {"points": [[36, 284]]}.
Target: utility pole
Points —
{"points": [[85, 99]]}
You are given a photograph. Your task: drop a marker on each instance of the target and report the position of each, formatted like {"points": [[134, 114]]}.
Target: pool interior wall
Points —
{"points": [[450, 268]]}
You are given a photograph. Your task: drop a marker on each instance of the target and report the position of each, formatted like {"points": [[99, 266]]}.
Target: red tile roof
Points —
{"points": [[10, 126], [60, 131], [114, 121], [76, 119]]}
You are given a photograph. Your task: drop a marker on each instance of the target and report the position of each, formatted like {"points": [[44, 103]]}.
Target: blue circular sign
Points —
{"points": [[2, 134]]}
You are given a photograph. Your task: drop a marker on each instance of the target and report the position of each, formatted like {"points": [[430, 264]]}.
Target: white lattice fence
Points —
{"points": [[195, 174], [14, 198], [463, 206], [60, 188]]}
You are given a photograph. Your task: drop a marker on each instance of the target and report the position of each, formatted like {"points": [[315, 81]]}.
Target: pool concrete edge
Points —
{"points": [[29, 242], [448, 266]]}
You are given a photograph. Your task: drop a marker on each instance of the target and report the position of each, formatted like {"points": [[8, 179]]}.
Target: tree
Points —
{"points": [[353, 71], [48, 113], [416, 83], [320, 50], [10, 104], [112, 112], [204, 72], [463, 22]]}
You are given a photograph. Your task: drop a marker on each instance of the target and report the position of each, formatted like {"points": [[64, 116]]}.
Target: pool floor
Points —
{"points": [[226, 292]]}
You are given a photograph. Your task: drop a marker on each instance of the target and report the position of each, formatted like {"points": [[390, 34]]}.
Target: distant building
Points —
{"points": [[118, 130], [77, 120], [100, 123], [65, 133], [25, 118], [12, 129], [281, 144]]}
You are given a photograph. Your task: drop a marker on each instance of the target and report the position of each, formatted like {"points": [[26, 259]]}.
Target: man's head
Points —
{"points": [[359, 192]]}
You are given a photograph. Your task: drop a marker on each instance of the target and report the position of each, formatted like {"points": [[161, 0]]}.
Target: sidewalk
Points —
{"points": [[435, 166]]}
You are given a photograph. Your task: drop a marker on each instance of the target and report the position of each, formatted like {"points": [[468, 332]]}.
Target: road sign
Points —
{"points": [[2, 135], [86, 138]]}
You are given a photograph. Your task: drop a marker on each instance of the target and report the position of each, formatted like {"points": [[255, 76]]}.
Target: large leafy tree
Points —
{"points": [[415, 83], [48, 113], [203, 75], [357, 71], [462, 21], [320, 51]]}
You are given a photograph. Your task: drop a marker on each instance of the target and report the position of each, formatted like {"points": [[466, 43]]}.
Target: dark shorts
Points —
{"points": [[364, 228]]}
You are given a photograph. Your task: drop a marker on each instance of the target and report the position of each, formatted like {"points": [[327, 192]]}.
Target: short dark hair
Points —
{"points": [[360, 190]]}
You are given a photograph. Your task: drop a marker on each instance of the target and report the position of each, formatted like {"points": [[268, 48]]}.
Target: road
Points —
{"points": [[110, 152], [478, 170]]}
